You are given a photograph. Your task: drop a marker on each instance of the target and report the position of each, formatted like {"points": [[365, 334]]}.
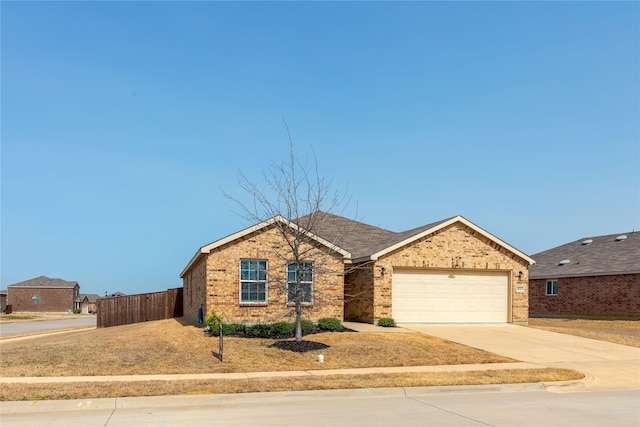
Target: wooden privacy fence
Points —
{"points": [[127, 309]]}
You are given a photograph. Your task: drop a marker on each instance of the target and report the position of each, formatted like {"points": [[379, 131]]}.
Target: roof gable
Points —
{"points": [[44, 282], [410, 236], [261, 227], [590, 256]]}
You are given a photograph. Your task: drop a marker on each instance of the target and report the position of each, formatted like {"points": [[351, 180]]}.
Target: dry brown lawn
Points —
{"points": [[626, 332], [170, 347]]}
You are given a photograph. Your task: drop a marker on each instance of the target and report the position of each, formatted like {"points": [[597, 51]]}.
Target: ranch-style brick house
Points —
{"points": [[447, 271], [593, 276]]}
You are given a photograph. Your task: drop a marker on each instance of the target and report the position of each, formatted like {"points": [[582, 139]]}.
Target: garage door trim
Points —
{"points": [[428, 295]]}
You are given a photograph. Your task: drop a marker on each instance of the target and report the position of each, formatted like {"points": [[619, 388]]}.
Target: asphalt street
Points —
{"points": [[30, 327], [352, 408]]}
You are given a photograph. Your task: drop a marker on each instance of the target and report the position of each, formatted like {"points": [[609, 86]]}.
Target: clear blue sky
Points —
{"points": [[122, 122]]}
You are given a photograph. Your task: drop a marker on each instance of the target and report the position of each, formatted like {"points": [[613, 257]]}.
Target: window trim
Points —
{"points": [[302, 283], [265, 282], [551, 282]]}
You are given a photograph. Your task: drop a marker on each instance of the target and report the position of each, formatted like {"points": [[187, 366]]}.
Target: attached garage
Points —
{"points": [[450, 296]]}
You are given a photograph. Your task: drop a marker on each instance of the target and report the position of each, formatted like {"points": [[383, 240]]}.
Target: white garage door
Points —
{"points": [[449, 296]]}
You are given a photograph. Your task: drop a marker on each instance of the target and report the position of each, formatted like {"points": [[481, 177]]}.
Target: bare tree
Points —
{"points": [[296, 195]]}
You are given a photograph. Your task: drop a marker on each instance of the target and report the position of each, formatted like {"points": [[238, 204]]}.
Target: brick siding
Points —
{"points": [[614, 296], [194, 286], [359, 293], [221, 283], [51, 299]]}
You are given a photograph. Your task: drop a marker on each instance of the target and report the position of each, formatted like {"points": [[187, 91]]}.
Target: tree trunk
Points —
{"points": [[298, 318]]}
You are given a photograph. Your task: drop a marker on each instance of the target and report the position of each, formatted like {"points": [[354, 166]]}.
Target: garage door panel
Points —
{"points": [[444, 296]]}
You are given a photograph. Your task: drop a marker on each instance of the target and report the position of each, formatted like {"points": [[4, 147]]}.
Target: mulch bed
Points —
{"points": [[299, 346]]}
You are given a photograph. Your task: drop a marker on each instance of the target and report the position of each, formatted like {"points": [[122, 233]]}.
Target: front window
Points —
{"points": [[253, 280], [302, 275], [552, 287]]}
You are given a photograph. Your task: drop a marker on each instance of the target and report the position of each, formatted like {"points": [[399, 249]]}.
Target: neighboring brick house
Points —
{"points": [[593, 276], [448, 271], [54, 295]]}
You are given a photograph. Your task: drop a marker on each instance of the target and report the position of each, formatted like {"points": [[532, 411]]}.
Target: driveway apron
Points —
{"points": [[607, 366]]}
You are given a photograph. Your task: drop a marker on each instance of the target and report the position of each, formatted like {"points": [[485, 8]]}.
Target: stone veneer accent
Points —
{"points": [[598, 296], [454, 245]]}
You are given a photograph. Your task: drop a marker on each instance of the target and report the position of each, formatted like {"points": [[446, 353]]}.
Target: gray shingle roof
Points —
{"points": [[602, 256], [44, 282], [353, 236], [358, 238]]}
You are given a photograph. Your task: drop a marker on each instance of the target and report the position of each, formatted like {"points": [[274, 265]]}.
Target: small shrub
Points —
{"points": [[233, 328], [259, 330], [308, 327], [283, 329], [330, 324], [77, 311], [387, 322], [213, 322]]}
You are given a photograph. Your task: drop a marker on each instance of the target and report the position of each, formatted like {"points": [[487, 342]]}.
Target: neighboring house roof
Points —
{"points": [[44, 282], [354, 240], [91, 298], [114, 294], [590, 256]]}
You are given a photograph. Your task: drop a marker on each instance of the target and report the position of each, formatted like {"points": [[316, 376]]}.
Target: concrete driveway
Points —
{"points": [[606, 366]]}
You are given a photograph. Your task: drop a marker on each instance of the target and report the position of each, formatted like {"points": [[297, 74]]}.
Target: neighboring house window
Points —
{"points": [[253, 280], [305, 269], [552, 287]]}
